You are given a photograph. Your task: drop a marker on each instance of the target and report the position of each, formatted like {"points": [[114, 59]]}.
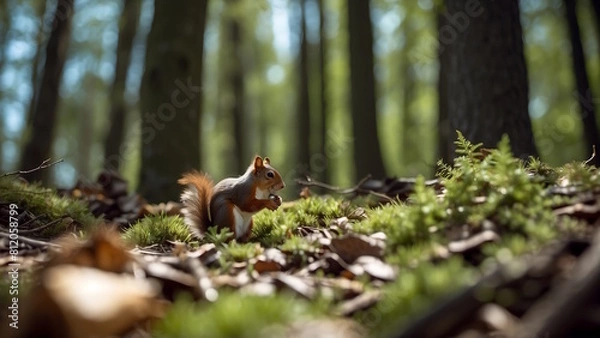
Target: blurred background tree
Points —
{"points": [[287, 79]]}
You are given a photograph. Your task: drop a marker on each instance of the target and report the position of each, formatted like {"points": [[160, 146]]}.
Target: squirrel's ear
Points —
{"points": [[267, 161], [258, 162]]}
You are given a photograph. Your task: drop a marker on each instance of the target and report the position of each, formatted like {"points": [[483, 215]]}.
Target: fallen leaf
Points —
{"points": [[352, 246]]}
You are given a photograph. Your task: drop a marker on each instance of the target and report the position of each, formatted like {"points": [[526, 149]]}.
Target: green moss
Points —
{"points": [[47, 205], [235, 315], [157, 229], [272, 228], [240, 252]]}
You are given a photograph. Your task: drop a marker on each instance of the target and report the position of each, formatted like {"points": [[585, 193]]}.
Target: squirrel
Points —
{"points": [[232, 202]]}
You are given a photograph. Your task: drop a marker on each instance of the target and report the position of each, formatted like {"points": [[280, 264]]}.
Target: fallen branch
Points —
{"points": [[355, 189], [45, 164], [42, 227], [30, 241]]}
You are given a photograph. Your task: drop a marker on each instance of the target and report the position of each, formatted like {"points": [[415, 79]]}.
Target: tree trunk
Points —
{"points": [[39, 145], [446, 135], [128, 24], [170, 97], [4, 29], [303, 131], [235, 80], [35, 64], [325, 173], [487, 78], [408, 78], [367, 151], [584, 93]]}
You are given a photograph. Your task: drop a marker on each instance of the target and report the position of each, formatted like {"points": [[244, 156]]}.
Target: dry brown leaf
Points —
{"points": [[352, 246]]}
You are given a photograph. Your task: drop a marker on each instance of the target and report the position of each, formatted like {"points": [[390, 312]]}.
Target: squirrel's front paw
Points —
{"points": [[276, 199]]}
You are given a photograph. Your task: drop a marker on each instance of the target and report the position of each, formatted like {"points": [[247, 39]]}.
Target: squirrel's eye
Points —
{"points": [[270, 174]]}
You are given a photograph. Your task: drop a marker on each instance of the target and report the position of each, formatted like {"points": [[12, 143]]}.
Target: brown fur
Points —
{"points": [[196, 200]]}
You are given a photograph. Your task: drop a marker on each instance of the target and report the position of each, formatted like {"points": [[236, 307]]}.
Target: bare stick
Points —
{"points": [[45, 164], [593, 155], [355, 189], [31, 241], [42, 227]]}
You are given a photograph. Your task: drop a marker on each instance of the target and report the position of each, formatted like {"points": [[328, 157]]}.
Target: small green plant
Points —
{"points": [[218, 236], [158, 229], [240, 252]]}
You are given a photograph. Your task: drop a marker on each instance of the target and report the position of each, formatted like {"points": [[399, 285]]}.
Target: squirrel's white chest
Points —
{"points": [[242, 221]]}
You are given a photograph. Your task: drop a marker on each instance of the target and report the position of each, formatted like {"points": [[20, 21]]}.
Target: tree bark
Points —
{"points": [[325, 174], [584, 93], [487, 78], [235, 79], [39, 145], [446, 135], [171, 97], [367, 151], [35, 64], [304, 130], [128, 23]]}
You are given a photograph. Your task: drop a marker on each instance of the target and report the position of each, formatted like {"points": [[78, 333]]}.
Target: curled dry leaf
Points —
{"points": [[352, 246], [376, 268], [92, 303], [271, 259]]}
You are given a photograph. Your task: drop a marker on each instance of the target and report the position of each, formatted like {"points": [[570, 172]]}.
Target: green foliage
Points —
{"points": [[235, 315], [158, 229], [46, 204]]}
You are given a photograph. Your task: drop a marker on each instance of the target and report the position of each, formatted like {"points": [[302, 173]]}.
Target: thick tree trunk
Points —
{"points": [[584, 93], [128, 24], [408, 78], [171, 97], [39, 145], [367, 151], [304, 131], [487, 78]]}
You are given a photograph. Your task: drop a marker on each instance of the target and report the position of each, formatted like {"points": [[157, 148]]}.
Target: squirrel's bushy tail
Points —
{"points": [[196, 200]]}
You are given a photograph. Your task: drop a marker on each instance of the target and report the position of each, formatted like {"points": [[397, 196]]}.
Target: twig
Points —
{"points": [[593, 155], [45, 164], [31, 241], [355, 189], [42, 227]]}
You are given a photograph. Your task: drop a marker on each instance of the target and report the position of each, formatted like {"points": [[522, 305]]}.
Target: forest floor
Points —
{"points": [[493, 246]]}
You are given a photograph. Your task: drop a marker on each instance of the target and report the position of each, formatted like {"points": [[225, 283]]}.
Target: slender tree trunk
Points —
{"points": [[128, 24], [410, 137], [171, 97], [325, 174], [487, 80], [235, 79], [35, 64], [367, 150], [4, 29], [38, 148], [446, 135], [304, 132], [584, 93]]}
